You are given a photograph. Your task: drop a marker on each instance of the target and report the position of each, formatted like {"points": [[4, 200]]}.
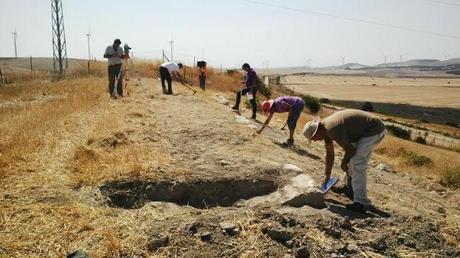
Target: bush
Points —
{"points": [[420, 140], [453, 124], [312, 103], [399, 132], [450, 177], [367, 106], [263, 88], [231, 72], [413, 159]]}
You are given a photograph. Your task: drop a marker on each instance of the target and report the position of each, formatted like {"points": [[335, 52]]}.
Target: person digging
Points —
{"points": [[290, 104], [251, 90], [357, 132], [167, 72]]}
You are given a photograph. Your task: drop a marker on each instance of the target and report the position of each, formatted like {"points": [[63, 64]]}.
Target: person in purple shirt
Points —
{"points": [[291, 104], [251, 90]]}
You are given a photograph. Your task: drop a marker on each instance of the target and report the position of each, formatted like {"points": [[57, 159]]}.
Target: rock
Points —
{"points": [[313, 199], [278, 233], [224, 163], [346, 224], [300, 192], [241, 120], [352, 248], [289, 244], [78, 254], [157, 241], [302, 252], [441, 210], [222, 100], [292, 168], [204, 236], [383, 167], [228, 227], [192, 228]]}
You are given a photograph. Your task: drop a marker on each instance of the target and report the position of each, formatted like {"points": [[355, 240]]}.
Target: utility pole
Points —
{"points": [[385, 59], [343, 60], [400, 60], [15, 37], [172, 43], [88, 35], [59, 42]]}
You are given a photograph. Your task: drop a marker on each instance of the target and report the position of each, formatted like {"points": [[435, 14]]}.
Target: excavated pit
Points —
{"points": [[199, 194]]}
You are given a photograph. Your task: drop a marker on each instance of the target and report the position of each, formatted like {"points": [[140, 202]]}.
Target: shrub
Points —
{"points": [[453, 124], [324, 100], [413, 159], [420, 140], [231, 72], [450, 177], [263, 88], [399, 132], [312, 103], [367, 106]]}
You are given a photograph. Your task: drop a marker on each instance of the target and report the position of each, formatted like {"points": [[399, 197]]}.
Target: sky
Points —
{"points": [[273, 33]]}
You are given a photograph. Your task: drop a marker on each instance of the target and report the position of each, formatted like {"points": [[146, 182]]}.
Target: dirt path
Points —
{"points": [[193, 150]]}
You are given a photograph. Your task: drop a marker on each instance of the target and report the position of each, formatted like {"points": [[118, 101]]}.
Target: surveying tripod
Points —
{"points": [[125, 69]]}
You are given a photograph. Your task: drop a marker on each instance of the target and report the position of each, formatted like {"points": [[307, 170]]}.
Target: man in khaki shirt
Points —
{"points": [[357, 132], [114, 54]]}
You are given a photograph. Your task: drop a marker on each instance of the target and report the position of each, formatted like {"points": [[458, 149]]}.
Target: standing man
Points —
{"points": [[251, 90], [167, 72], [357, 132], [114, 54]]}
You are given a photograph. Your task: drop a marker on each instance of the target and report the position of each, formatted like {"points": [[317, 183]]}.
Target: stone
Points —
{"points": [[204, 236], [157, 241], [278, 233], [222, 100], [78, 254], [441, 210], [300, 192], [289, 244], [292, 168], [302, 252], [227, 227], [383, 167], [346, 224], [314, 199]]}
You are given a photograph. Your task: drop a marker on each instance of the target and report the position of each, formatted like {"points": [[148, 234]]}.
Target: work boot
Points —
{"points": [[289, 142], [236, 108], [253, 117], [356, 207]]}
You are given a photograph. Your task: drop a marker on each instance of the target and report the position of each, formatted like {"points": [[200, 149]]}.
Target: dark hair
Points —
{"points": [[117, 41], [246, 65], [180, 65]]}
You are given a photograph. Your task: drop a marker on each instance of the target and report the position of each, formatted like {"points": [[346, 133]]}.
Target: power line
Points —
{"points": [[442, 2], [354, 19]]}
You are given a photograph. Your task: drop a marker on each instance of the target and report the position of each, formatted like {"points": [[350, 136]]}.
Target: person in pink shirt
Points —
{"points": [[285, 104]]}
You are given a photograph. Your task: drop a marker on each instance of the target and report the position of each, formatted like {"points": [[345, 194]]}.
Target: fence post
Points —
{"points": [[1, 77], [89, 70], [31, 68]]}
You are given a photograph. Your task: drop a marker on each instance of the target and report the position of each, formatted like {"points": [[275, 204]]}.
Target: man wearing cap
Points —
{"points": [[251, 90], [290, 104], [357, 132], [114, 54], [167, 72]]}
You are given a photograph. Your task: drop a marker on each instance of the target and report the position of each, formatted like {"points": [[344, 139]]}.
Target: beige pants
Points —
{"points": [[357, 168]]}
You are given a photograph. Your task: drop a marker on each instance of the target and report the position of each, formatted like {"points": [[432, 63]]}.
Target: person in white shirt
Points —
{"points": [[167, 72], [114, 54]]}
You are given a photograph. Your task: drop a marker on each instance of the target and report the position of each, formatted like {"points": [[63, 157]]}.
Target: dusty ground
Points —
{"points": [[91, 190]]}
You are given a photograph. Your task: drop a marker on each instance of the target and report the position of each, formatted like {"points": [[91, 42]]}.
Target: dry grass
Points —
{"points": [[405, 156], [38, 112]]}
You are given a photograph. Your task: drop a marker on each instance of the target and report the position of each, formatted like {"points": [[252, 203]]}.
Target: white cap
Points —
{"points": [[310, 129]]}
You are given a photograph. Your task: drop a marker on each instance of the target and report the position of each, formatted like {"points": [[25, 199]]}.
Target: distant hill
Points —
{"points": [[421, 63]]}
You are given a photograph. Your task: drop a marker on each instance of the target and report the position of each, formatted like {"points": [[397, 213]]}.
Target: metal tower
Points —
{"points": [[15, 38], [59, 43]]}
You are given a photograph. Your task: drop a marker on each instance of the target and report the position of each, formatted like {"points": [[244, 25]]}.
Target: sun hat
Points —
{"points": [[267, 105], [310, 129]]}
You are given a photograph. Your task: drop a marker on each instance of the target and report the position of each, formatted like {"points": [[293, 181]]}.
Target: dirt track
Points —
{"points": [[212, 155]]}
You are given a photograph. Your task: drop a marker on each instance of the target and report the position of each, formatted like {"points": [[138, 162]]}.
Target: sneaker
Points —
{"points": [[253, 117], [288, 143], [235, 108], [356, 207]]}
